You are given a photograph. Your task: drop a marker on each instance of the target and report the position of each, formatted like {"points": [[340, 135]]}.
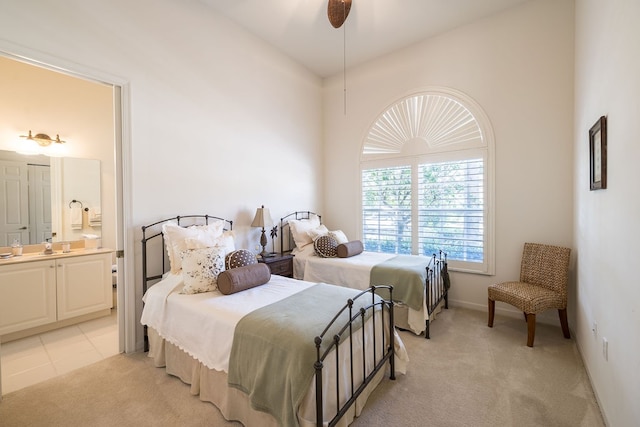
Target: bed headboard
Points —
{"points": [[155, 261], [286, 239]]}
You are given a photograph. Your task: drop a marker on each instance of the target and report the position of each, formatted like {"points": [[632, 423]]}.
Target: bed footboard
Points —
{"points": [[378, 353], [437, 286]]}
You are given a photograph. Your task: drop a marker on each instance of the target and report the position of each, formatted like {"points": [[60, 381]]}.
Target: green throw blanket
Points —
{"points": [[407, 274], [282, 335]]}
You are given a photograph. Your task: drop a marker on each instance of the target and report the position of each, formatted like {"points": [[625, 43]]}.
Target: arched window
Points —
{"points": [[427, 180]]}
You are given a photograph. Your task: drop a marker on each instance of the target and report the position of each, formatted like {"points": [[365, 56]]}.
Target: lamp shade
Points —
{"points": [[262, 218]]}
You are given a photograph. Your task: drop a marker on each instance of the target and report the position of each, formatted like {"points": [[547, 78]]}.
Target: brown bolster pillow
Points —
{"points": [[242, 278], [346, 250]]}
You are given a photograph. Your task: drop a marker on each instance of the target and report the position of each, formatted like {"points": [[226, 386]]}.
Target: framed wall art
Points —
{"points": [[598, 154]]}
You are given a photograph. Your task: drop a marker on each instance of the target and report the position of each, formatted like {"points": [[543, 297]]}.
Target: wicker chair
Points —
{"points": [[542, 286]]}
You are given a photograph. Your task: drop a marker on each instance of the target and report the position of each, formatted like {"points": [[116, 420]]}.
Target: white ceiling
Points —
{"points": [[301, 29]]}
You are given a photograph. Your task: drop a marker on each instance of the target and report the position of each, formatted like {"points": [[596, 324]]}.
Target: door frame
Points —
{"points": [[126, 300]]}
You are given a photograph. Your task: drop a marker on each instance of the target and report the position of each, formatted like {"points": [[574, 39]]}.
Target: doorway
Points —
{"points": [[119, 155]]}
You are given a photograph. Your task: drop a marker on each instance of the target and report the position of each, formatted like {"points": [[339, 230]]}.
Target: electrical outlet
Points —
{"points": [[605, 348], [594, 329]]}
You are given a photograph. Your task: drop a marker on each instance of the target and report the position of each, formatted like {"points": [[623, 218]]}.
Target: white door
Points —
{"points": [[40, 203], [14, 195]]}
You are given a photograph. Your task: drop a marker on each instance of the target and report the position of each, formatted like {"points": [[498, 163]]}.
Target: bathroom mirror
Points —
{"points": [[48, 198]]}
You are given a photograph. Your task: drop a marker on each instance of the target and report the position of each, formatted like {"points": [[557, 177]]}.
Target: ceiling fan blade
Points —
{"points": [[337, 11]]}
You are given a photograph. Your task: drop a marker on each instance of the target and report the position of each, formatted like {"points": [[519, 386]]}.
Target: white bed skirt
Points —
{"points": [[211, 386], [413, 320]]}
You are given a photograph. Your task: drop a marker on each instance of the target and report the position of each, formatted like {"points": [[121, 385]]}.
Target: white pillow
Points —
{"points": [[175, 239], [339, 236], [299, 230], [200, 269], [319, 231], [227, 241]]}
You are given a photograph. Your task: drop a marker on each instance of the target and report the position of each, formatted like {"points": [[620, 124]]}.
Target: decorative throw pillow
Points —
{"points": [[239, 258], [349, 249], [325, 246], [200, 269], [299, 230], [339, 236], [175, 239], [242, 278]]}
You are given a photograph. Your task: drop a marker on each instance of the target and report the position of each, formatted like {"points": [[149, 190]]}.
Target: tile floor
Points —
{"points": [[34, 359]]}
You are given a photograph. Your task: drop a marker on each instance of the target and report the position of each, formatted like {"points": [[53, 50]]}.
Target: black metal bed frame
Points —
{"points": [[437, 282], [372, 311], [436, 286], [156, 230], [387, 353]]}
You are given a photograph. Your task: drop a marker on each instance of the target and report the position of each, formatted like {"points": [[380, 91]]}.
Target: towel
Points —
{"points": [[95, 217], [76, 217]]}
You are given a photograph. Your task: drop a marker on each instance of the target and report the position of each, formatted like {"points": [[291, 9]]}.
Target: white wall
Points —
{"points": [[607, 229], [518, 66], [220, 121]]}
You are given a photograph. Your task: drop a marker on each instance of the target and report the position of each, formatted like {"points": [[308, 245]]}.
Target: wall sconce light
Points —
{"points": [[262, 219], [42, 139]]}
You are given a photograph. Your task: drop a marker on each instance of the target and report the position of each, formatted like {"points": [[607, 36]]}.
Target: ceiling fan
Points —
{"points": [[337, 11]]}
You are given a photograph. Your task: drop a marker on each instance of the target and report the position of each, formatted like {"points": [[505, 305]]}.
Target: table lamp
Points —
{"points": [[262, 219]]}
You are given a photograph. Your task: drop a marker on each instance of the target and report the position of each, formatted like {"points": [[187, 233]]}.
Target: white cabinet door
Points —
{"points": [[27, 295], [84, 285]]}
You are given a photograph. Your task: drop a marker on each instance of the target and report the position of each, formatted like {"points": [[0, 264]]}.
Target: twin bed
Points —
{"points": [[421, 284], [266, 350]]}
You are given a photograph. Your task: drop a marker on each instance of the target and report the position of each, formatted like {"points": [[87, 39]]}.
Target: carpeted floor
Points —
{"points": [[466, 375]]}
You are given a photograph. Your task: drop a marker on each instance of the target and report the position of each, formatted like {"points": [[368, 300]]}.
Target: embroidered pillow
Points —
{"points": [[175, 237], [226, 242], [239, 258], [325, 246], [200, 269]]}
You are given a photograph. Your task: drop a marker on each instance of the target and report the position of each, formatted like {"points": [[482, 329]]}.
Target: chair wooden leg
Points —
{"points": [[525, 316], [492, 311], [531, 329], [563, 322]]}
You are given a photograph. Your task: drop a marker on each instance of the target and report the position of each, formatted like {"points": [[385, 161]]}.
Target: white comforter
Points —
{"points": [[202, 325], [353, 272]]}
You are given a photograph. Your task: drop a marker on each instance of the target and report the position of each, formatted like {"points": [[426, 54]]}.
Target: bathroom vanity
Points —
{"points": [[41, 292]]}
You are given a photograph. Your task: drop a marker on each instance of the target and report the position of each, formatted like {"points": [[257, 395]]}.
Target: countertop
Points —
{"points": [[40, 256]]}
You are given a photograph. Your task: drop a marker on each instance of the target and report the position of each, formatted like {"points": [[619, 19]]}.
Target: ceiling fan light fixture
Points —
{"points": [[337, 11]]}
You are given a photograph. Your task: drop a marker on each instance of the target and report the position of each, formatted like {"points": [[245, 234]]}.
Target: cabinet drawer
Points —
{"points": [[280, 264], [283, 268]]}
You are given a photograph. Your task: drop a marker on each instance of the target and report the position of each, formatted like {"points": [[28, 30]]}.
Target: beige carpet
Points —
{"points": [[466, 375]]}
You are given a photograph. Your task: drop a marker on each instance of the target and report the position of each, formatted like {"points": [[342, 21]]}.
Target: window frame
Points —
{"points": [[455, 153]]}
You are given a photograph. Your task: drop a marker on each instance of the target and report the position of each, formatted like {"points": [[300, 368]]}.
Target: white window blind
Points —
{"points": [[386, 209], [451, 209]]}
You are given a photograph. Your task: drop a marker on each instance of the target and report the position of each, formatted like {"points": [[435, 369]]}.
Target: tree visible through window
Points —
{"points": [[426, 181]]}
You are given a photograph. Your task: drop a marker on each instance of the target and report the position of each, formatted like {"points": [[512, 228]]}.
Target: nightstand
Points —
{"points": [[281, 264]]}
